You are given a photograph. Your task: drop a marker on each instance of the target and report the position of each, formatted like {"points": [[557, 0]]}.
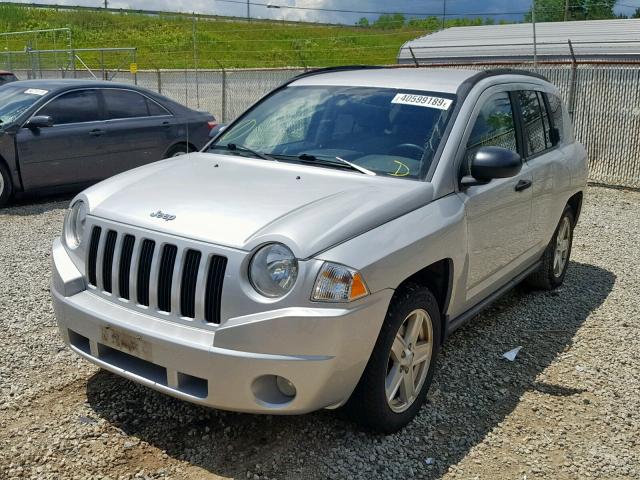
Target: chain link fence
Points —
{"points": [[604, 101]]}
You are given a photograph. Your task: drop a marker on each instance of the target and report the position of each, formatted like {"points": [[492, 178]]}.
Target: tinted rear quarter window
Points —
{"points": [[555, 110], [124, 104], [155, 109], [74, 107]]}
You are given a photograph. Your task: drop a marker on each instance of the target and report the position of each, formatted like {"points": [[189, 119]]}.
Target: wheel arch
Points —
{"points": [[438, 278], [575, 202], [190, 146]]}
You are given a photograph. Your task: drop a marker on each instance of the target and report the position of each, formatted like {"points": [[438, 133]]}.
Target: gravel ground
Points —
{"points": [[568, 407]]}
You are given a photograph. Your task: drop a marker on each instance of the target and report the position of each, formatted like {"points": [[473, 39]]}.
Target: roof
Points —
{"points": [[55, 84], [441, 80], [592, 40]]}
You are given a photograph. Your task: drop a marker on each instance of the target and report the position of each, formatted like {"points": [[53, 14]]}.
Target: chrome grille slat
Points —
{"points": [[115, 267], [158, 274], [100, 260]]}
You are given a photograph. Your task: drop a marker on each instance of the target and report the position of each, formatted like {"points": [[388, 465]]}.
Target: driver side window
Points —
{"points": [[494, 126]]}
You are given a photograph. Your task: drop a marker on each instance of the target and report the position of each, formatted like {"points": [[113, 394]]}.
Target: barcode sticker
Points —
{"points": [[36, 91], [422, 101]]}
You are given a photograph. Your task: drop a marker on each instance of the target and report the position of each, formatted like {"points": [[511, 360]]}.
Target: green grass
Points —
{"points": [[167, 41]]}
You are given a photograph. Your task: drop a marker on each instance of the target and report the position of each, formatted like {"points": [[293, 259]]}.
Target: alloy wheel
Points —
{"points": [[409, 360], [563, 240]]}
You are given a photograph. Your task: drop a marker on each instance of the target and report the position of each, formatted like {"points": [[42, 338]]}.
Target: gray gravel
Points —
{"points": [[568, 407]]}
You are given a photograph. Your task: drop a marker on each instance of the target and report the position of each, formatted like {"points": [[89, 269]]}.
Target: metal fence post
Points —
{"points": [[573, 83], [73, 61], [104, 73], [224, 95], [159, 80], [135, 75]]}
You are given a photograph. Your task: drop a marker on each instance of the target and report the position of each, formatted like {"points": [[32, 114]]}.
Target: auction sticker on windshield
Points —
{"points": [[36, 91], [422, 101]]}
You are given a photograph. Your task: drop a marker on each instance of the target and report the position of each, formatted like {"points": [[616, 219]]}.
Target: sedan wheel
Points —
{"points": [[409, 360]]}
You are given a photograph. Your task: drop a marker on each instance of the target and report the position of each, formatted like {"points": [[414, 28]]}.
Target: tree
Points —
{"points": [[389, 21], [363, 22], [557, 11], [636, 14]]}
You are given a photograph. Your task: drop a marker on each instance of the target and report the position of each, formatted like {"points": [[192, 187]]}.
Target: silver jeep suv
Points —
{"points": [[319, 251]]}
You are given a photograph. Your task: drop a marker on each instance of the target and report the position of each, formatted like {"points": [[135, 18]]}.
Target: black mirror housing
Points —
{"points": [[495, 162], [40, 121]]}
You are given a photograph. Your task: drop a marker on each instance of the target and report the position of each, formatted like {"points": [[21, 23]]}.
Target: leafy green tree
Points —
{"points": [[556, 10], [390, 21], [636, 14], [363, 22]]}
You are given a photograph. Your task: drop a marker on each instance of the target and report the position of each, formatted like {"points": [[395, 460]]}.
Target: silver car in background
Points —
{"points": [[319, 251]]}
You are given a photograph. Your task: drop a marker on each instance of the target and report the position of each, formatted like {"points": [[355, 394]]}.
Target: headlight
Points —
{"points": [[337, 283], [74, 224], [273, 270]]}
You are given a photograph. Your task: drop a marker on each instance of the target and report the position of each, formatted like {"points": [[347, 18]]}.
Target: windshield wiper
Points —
{"points": [[341, 162], [241, 148]]}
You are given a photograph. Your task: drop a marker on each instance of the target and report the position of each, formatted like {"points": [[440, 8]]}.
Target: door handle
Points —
{"points": [[166, 123], [523, 185], [96, 132]]}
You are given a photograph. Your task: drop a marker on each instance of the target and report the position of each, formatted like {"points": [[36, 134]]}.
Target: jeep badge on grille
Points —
{"points": [[163, 216]]}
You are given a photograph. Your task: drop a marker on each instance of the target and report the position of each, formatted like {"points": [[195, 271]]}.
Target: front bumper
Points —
{"points": [[321, 351]]}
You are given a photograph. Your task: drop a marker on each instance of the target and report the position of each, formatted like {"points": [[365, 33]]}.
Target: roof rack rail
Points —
{"points": [[508, 71], [340, 68]]}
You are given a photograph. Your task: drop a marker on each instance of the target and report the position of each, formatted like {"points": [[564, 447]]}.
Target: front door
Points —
{"points": [[69, 151], [499, 213]]}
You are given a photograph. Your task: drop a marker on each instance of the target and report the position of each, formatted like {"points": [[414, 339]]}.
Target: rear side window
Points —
{"points": [[494, 127], [155, 109], [537, 129], [74, 107], [124, 104], [555, 111]]}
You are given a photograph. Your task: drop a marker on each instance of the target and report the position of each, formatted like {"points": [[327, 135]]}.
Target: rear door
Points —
{"points": [[499, 213], [545, 156], [140, 129], [72, 150]]}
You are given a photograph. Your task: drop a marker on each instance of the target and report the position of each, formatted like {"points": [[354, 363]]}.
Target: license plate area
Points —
{"points": [[126, 342]]}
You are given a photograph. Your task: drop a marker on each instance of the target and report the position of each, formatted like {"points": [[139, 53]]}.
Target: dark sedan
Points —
{"points": [[58, 133]]}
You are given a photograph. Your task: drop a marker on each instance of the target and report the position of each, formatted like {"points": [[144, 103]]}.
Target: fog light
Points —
{"points": [[285, 387]]}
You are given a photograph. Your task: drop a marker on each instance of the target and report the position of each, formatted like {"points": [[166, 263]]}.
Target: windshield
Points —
{"points": [[14, 101], [385, 131]]}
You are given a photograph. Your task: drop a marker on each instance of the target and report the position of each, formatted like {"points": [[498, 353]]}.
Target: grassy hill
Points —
{"points": [[168, 41]]}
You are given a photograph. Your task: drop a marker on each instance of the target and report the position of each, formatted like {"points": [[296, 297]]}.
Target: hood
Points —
{"points": [[244, 202]]}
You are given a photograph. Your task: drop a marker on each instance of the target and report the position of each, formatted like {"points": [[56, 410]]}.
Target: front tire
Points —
{"points": [[396, 380], [6, 185], [555, 259]]}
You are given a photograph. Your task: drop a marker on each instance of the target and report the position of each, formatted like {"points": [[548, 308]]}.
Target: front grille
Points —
{"points": [[166, 276]]}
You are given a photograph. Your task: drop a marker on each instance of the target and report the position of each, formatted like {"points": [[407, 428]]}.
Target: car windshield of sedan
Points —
{"points": [[14, 101], [386, 131]]}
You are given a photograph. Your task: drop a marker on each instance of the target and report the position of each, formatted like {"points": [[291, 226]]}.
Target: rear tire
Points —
{"points": [[6, 185], [555, 259], [396, 380], [177, 150]]}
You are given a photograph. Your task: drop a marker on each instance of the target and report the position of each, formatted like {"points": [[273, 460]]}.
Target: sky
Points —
{"points": [[498, 9]]}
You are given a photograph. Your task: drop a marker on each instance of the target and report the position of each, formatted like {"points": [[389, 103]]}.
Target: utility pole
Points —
{"points": [[535, 44], [566, 10], [106, 4], [444, 12], [248, 10]]}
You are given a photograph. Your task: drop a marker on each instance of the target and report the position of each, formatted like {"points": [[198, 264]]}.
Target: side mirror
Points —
{"points": [[217, 130], [492, 162], [40, 121]]}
